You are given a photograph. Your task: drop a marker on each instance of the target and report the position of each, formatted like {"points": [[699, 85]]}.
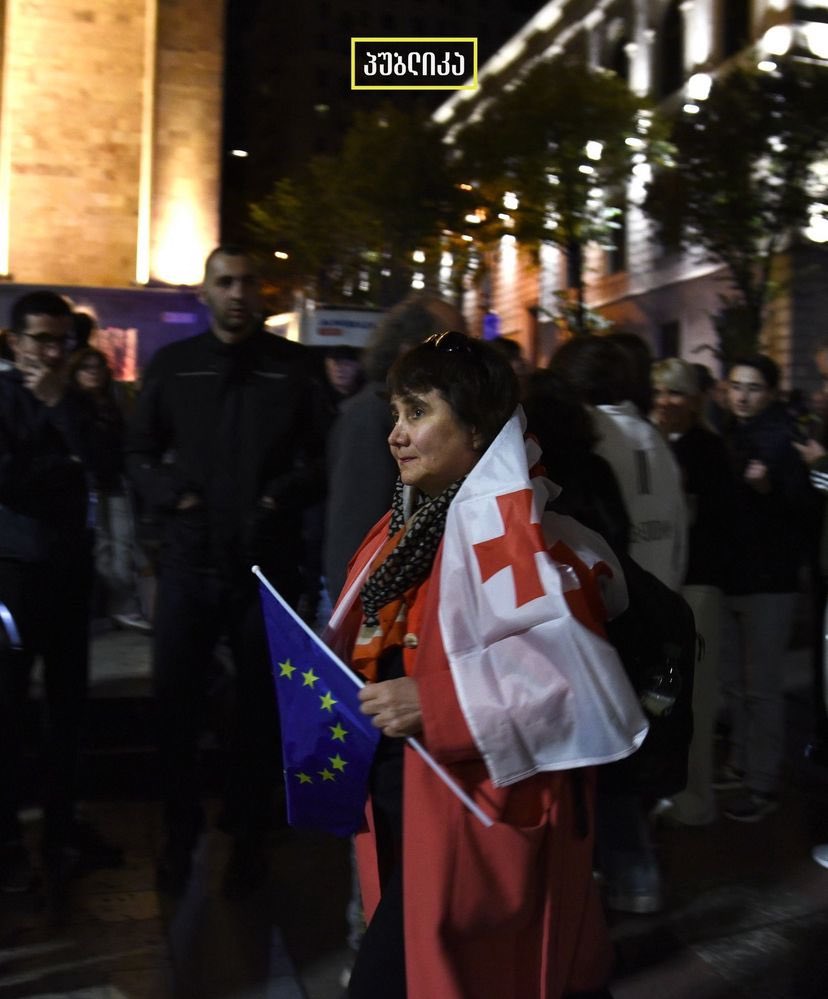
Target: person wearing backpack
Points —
{"points": [[605, 377]]}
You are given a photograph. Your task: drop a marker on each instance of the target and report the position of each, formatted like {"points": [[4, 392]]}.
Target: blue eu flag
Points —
{"points": [[327, 744]]}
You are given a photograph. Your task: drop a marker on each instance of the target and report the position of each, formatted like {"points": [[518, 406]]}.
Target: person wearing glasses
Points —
{"points": [[45, 583], [479, 632]]}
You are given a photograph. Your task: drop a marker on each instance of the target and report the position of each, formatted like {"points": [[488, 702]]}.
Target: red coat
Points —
{"points": [[510, 911]]}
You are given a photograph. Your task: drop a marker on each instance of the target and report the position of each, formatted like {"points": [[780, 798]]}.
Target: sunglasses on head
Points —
{"points": [[448, 341]]}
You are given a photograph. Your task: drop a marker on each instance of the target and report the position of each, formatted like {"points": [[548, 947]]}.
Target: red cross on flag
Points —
{"points": [[539, 689]]}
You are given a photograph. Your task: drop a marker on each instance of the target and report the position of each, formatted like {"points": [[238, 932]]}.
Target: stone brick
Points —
{"points": [[76, 79]]}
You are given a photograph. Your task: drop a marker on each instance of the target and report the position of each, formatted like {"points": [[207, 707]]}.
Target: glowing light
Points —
{"points": [[508, 240], [465, 187], [143, 242], [280, 255], [510, 201], [467, 238], [183, 241], [594, 150], [634, 142], [766, 65], [817, 229], [446, 259], [816, 37], [777, 40], [691, 109], [643, 171], [418, 257], [240, 154], [473, 218], [698, 86], [586, 168], [418, 281]]}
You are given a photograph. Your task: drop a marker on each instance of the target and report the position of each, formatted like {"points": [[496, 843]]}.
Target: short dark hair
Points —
{"points": [[597, 369], [37, 303], [227, 250], [766, 366], [475, 380]]}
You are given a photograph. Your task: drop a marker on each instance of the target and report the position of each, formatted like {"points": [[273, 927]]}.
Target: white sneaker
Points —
{"points": [[132, 622]]}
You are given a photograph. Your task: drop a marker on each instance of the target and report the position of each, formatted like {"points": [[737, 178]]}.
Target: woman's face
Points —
{"points": [[430, 445], [90, 374], [674, 412]]}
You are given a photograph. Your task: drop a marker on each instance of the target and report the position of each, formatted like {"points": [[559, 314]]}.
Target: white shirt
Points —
{"points": [[650, 482]]}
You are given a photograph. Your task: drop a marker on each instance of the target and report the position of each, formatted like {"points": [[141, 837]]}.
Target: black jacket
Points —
{"points": [[43, 492], [232, 424], [707, 475], [770, 531]]}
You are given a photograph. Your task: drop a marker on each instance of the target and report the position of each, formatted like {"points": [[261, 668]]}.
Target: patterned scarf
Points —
{"points": [[410, 561]]}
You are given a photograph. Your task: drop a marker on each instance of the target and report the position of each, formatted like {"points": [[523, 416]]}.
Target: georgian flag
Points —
{"points": [[539, 689]]}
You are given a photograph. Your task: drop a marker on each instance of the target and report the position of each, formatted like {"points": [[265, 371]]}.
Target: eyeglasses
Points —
{"points": [[449, 341], [46, 339]]}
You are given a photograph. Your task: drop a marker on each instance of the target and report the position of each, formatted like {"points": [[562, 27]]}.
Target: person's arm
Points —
{"points": [[393, 706], [303, 483], [149, 435], [361, 478]]}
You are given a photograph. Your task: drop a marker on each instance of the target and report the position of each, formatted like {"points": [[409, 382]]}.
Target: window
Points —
{"points": [[669, 336], [670, 69], [616, 254], [619, 60], [735, 26]]}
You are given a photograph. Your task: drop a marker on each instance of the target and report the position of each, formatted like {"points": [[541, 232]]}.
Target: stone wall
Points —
{"points": [[80, 101]]}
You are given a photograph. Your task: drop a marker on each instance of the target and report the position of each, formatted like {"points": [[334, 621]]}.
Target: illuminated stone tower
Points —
{"points": [[110, 131]]}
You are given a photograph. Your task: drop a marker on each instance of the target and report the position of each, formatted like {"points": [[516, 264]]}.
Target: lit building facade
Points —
{"points": [[658, 47], [110, 131]]}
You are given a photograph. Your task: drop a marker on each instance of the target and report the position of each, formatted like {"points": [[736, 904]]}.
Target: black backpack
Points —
{"points": [[656, 641]]}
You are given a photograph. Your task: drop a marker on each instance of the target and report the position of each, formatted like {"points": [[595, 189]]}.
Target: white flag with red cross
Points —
{"points": [[540, 689]]}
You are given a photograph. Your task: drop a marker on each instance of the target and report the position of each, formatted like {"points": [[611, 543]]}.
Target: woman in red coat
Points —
{"points": [[478, 622]]}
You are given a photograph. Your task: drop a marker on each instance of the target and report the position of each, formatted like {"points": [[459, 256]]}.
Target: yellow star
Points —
{"points": [[328, 701], [287, 669], [338, 733], [304, 778], [326, 774], [338, 763], [309, 678]]}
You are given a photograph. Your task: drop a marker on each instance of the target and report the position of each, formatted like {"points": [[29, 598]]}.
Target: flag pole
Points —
{"points": [[427, 758]]}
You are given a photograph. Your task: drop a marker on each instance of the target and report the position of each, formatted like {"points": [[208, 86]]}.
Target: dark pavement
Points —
{"points": [[746, 914]]}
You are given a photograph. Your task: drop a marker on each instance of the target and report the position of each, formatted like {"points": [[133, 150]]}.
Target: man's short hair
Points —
{"points": [[37, 303], [596, 368], [226, 250], [766, 366]]}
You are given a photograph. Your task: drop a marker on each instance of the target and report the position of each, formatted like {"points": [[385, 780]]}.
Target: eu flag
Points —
{"points": [[327, 743]]}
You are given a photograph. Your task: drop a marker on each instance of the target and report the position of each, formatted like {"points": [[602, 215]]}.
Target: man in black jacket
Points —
{"points": [[45, 580], [227, 446], [773, 505]]}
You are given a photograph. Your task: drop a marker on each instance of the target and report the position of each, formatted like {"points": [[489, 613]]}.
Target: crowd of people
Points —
{"points": [[476, 516]]}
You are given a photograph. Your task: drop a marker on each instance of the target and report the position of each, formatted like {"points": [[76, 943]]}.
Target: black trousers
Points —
{"points": [[193, 612], [49, 602]]}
